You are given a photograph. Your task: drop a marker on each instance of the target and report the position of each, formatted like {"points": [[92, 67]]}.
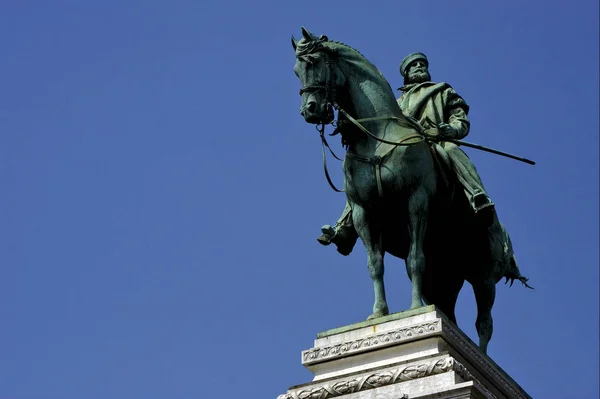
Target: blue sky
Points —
{"points": [[161, 194]]}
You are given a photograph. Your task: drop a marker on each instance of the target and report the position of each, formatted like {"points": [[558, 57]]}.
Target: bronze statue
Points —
{"points": [[404, 185], [443, 113]]}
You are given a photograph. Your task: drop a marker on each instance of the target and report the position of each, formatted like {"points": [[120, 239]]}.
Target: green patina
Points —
{"points": [[419, 200]]}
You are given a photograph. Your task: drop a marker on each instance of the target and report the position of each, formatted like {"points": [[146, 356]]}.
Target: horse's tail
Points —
{"points": [[513, 273]]}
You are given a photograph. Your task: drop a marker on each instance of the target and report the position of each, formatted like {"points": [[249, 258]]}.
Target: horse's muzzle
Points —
{"points": [[312, 113]]}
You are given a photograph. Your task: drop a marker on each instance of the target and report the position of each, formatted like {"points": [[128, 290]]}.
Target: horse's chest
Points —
{"points": [[367, 180]]}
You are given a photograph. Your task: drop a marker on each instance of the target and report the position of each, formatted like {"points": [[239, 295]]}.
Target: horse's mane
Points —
{"points": [[352, 61], [341, 52], [354, 57]]}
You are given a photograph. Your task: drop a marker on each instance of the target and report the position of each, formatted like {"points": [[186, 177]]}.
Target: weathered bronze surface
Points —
{"points": [[410, 190]]}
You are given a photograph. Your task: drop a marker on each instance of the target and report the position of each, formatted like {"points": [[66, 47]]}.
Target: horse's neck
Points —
{"points": [[370, 98]]}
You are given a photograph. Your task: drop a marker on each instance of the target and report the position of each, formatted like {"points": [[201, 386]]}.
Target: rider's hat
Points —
{"points": [[409, 59]]}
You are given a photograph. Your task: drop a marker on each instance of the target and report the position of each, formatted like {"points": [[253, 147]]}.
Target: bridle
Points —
{"points": [[330, 98]]}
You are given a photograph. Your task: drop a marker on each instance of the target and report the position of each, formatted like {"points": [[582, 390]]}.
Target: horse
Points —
{"points": [[403, 201]]}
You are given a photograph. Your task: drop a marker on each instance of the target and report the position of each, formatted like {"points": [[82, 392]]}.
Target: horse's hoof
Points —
{"points": [[378, 314]]}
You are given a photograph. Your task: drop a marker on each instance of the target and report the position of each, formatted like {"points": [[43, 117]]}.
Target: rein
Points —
{"points": [[330, 97], [376, 160], [324, 144], [402, 142]]}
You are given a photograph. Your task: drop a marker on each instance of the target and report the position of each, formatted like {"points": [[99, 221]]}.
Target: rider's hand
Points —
{"points": [[433, 133], [447, 131]]}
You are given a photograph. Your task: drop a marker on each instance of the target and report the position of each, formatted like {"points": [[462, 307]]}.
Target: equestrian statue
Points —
{"points": [[410, 189]]}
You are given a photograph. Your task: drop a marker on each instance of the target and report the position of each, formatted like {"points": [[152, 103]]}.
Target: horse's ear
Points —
{"points": [[294, 43], [307, 35], [323, 38]]}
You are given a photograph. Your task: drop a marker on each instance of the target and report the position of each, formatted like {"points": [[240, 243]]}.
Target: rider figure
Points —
{"points": [[443, 113]]}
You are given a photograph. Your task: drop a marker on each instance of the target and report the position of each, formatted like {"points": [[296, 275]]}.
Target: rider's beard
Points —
{"points": [[419, 77]]}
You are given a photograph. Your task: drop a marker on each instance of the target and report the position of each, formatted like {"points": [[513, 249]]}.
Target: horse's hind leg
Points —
{"points": [[370, 234], [446, 294], [418, 206], [485, 294]]}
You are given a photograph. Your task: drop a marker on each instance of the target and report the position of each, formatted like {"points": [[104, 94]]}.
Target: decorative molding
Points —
{"points": [[464, 373], [438, 327], [481, 362], [373, 380], [383, 339]]}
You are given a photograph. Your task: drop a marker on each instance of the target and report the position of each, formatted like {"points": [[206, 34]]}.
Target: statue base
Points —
{"points": [[413, 354]]}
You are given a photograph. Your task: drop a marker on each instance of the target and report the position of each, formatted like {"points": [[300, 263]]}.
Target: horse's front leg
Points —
{"points": [[370, 234], [418, 207]]}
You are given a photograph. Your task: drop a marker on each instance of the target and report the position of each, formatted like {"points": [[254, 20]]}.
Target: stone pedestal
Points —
{"points": [[414, 354]]}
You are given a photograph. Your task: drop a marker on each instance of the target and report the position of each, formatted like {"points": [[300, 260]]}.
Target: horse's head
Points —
{"points": [[319, 76]]}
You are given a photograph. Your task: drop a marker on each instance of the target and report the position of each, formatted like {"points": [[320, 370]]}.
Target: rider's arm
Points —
{"points": [[456, 111]]}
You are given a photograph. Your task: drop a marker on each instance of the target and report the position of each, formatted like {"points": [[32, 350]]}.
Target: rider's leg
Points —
{"points": [[342, 234], [469, 178]]}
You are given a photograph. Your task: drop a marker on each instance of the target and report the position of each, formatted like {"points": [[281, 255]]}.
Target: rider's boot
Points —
{"points": [[483, 207], [343, 236]]}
